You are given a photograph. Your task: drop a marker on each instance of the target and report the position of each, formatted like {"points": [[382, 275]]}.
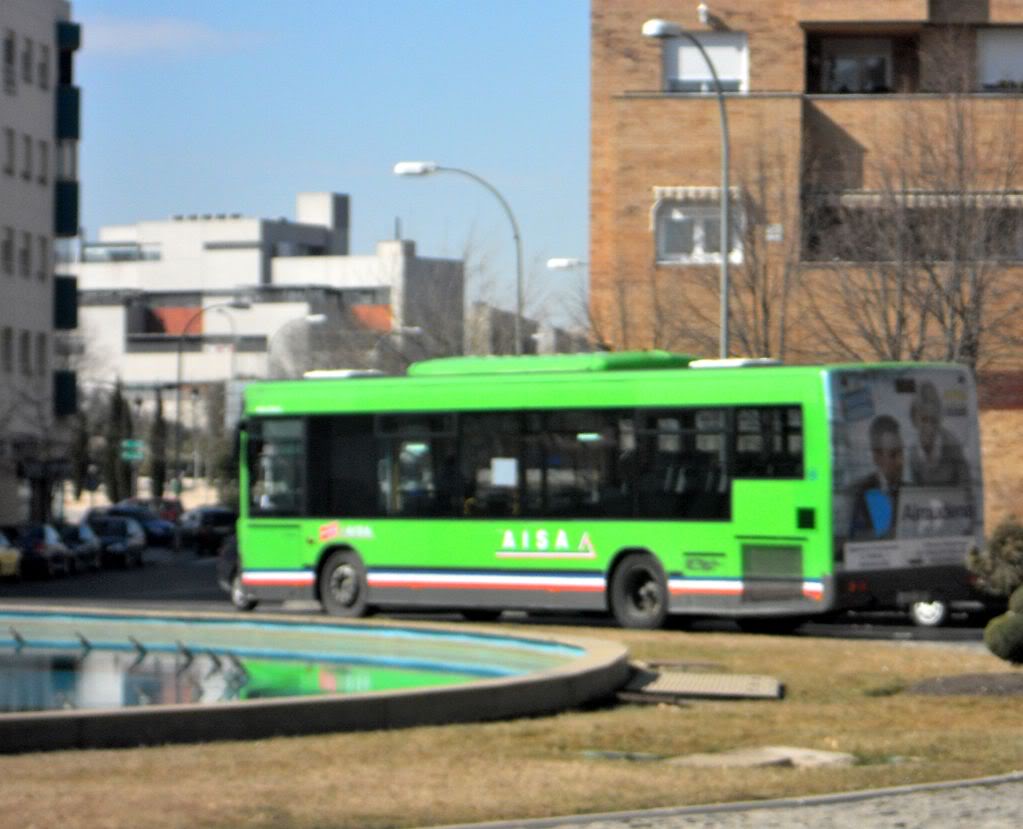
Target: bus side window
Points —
{"points": [[681, 467], [769, 442]]}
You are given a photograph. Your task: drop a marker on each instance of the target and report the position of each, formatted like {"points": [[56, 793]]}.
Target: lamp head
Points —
{"points": [[315, 319], [703, 13], [564, 263], [415, 168], [660, 29]]}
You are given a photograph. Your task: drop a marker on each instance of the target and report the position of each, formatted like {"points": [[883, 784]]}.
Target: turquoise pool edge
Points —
{"points": [[599, 671]]}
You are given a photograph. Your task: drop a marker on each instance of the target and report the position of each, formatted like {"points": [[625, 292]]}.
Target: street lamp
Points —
{"points": [[426, 168], [238, 304], [308, 319], [663, 30]]}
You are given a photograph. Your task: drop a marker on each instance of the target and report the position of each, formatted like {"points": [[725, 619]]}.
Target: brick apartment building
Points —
{"points": [[872, 144]]}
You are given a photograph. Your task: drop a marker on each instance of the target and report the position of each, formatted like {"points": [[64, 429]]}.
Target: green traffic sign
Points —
{"points": [[133, 449]]}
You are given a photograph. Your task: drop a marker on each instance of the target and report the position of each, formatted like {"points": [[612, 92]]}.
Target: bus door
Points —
{"points": [[271, 545], [776, 514], [907, 484]]}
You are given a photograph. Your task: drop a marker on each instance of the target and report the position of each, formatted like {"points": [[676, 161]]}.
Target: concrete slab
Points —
{"points": [[668, 686], [763, 756]]}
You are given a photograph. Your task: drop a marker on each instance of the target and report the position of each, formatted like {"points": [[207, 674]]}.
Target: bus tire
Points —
{"points": [[639, 593], [241, 599], [481, 614], [343, 588], [929, 614]]}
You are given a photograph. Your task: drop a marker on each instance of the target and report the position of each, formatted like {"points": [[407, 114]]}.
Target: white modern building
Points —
{"points": [[39, 131], [201, 299]]}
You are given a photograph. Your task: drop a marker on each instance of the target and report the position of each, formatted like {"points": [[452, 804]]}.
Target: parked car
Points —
{"points": [[10, 558], [169, 509], [229, 575], [42, 551], [123, 539], [204, 529], [159, 533], [85, 546]]}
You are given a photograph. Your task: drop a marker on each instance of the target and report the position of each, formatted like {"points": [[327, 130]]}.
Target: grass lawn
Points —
{"points": [[841, 696]]}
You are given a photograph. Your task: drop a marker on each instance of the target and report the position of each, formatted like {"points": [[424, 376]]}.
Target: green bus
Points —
{"points": [[637, 483]]}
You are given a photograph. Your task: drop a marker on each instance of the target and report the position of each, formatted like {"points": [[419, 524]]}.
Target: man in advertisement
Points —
{"points": [[876, 497]]}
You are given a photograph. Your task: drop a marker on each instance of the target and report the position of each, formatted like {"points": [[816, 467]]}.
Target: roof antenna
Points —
{"points": [[397, 228]]}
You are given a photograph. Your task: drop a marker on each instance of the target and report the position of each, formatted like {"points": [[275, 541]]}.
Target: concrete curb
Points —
{"points": [[742, 806]]}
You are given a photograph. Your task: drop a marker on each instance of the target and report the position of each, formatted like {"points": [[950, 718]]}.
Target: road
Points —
{"points": [[181, 581]]}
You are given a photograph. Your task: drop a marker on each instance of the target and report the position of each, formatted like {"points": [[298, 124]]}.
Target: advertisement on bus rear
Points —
{"points": [[908, 490]]}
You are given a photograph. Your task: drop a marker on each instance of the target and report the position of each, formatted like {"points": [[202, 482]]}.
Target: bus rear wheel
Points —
{"points": [[639, 593], [343, 587], [929, 614]]}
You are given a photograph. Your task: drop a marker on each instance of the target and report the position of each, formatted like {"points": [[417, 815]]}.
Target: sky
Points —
{"points": [[234, 106]]}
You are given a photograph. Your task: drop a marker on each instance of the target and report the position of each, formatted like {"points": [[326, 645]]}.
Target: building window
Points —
{"points": [[10, 68], [25, 353], [44, 162], [685, 70], [28, 61], [858, 65], [42, 354], [1000, 59], [44, 67], [43, 259], [7, 350], [9, 141], [688, 230], [7, 250], [918, 227], [26, 160], [25, 254]]}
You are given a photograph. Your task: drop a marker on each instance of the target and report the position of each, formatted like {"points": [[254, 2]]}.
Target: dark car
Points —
{"points": [[159, 533], [204, 529], [85, 546], [169, 509], [42, 551], [229, 575], [123, 539]]}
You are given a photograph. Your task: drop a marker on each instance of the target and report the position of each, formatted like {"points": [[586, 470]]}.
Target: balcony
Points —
{"points": [[69, 109], [69, 36], [863, 11], [65, 303], [65, 393], [65, 208]]}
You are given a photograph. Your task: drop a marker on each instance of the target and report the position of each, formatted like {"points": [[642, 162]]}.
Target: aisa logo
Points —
{"points": [[545, 544]]}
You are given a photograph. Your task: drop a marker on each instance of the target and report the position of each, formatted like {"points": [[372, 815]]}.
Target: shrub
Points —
{"points": [[1016, 601], [1004, 634], [999, 566]]}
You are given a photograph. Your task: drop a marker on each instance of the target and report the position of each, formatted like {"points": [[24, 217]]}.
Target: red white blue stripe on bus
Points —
{"points": [[679, 586], [556, 582], [278, 578]]}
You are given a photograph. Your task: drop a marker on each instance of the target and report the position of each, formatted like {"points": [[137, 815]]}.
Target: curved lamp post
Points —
{"points": [[400, 331], [308, 319], [426, 168], [239, 304], [663, 30]]}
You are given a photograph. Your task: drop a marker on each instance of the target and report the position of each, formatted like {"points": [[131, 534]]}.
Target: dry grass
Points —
{"points": [[842, 696]]}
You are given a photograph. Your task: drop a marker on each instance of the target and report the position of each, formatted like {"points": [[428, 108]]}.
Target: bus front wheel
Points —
{"points": [[343, 588], [639, 593]]}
